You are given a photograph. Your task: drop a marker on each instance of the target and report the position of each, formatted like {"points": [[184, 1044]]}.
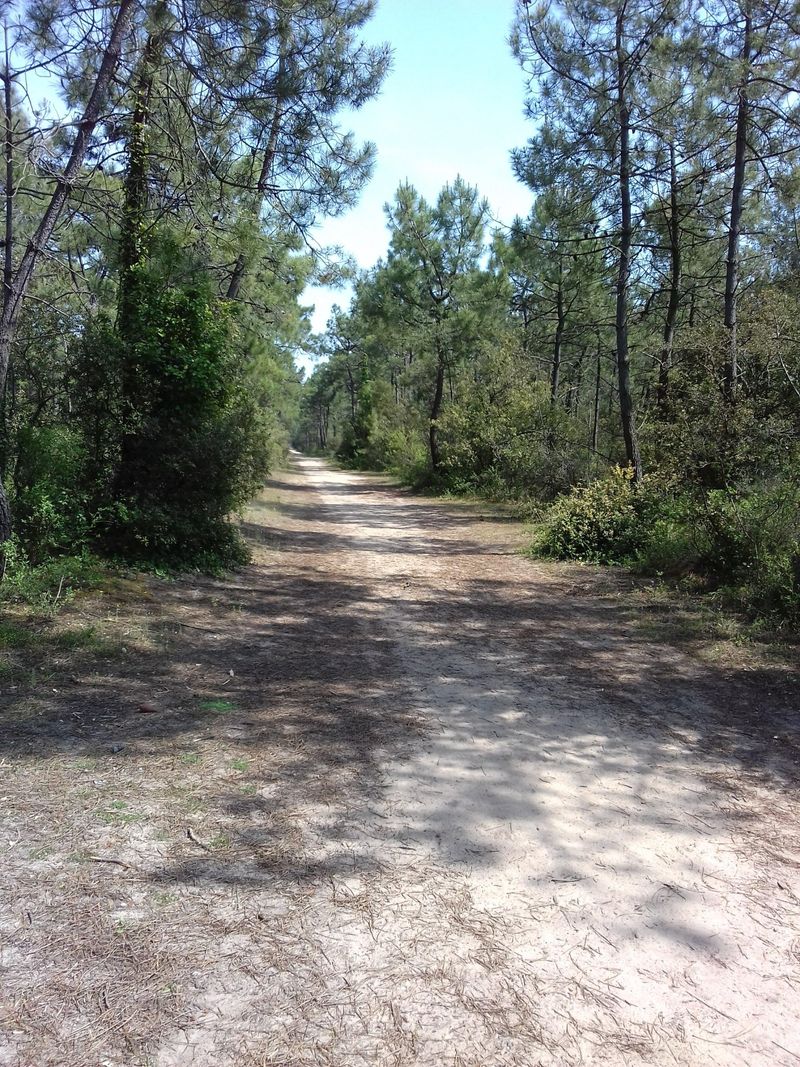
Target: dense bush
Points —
{"points": [[516, 443], [173, 442], [744, 543], [49, 501], [607, 521], [46, 584], [749, 541]]}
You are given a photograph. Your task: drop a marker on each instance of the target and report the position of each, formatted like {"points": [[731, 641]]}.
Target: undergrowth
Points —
{"points": [[49, 585], [740, 547]]}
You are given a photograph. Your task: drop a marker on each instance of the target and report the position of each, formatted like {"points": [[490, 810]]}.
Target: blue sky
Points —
{"points": [[451, 105]]}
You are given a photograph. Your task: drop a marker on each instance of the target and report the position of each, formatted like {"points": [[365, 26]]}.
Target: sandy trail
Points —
{"points": [[487, 822], [627, 914]]}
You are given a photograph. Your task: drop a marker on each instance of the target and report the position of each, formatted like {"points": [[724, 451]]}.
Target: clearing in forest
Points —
{"points": [[394, 794]]}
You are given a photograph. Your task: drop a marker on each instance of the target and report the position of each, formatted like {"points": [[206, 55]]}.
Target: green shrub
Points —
{"points": [[744, 528], [174, 443], [518, 444], [607, 521], [49, 508], [748, 540], [46, 585], [402, 451], [670, 548]]}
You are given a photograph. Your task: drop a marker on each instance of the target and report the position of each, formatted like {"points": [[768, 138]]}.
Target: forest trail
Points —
{"points": [[409, 798]]}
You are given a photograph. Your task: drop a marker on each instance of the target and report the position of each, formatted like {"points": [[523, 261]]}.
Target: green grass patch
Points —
{"points": [[187, 798], [219, 707], [118, 813], [163, 899], [82, 637]]}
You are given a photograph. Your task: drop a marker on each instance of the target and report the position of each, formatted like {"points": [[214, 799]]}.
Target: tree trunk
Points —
{"points": [[8, 251], [352, 391], [267, 163], [626, 404], [575, 388], [596, 412], [5, 352], [436, 407], [676, 266], [737, 189], [44, 231], [5, 521], [133, 250], [557, 341]]}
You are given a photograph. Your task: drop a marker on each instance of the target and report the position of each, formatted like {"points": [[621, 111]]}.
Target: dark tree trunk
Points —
{"points": [[626, 405], [267, 164], [352, 392], [133, 249], [133, 254], [8, 251], [596, 412], [8, 254], [21, 280], [737, 190], [577, 382], [555, 373], [676, 266], [5, 523], [436, 408]]}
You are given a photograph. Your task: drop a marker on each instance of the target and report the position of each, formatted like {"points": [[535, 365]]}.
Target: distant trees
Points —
{"points": [[432, 273], [753, 86], [628, 339], [589, 64], [641, 97]]}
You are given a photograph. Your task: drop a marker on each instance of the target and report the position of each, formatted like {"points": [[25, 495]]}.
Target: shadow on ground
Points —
{"points": [[294, 671]]}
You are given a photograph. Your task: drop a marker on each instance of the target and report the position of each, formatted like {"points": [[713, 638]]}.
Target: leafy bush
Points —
{"points": [[670, 548], [46, 585], [514, 444], [749, 540], [50, 510], [174, 443], [408, 458], [607, 521], [743, 543]]}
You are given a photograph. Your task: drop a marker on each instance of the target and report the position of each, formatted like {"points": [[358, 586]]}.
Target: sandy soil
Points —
{"points": [[406, 798]]}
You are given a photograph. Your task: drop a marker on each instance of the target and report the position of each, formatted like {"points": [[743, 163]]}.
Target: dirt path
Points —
{"points": [[407, 798]]}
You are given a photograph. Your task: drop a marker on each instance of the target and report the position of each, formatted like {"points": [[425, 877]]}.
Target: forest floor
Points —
{"points": [[394, 795]]}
